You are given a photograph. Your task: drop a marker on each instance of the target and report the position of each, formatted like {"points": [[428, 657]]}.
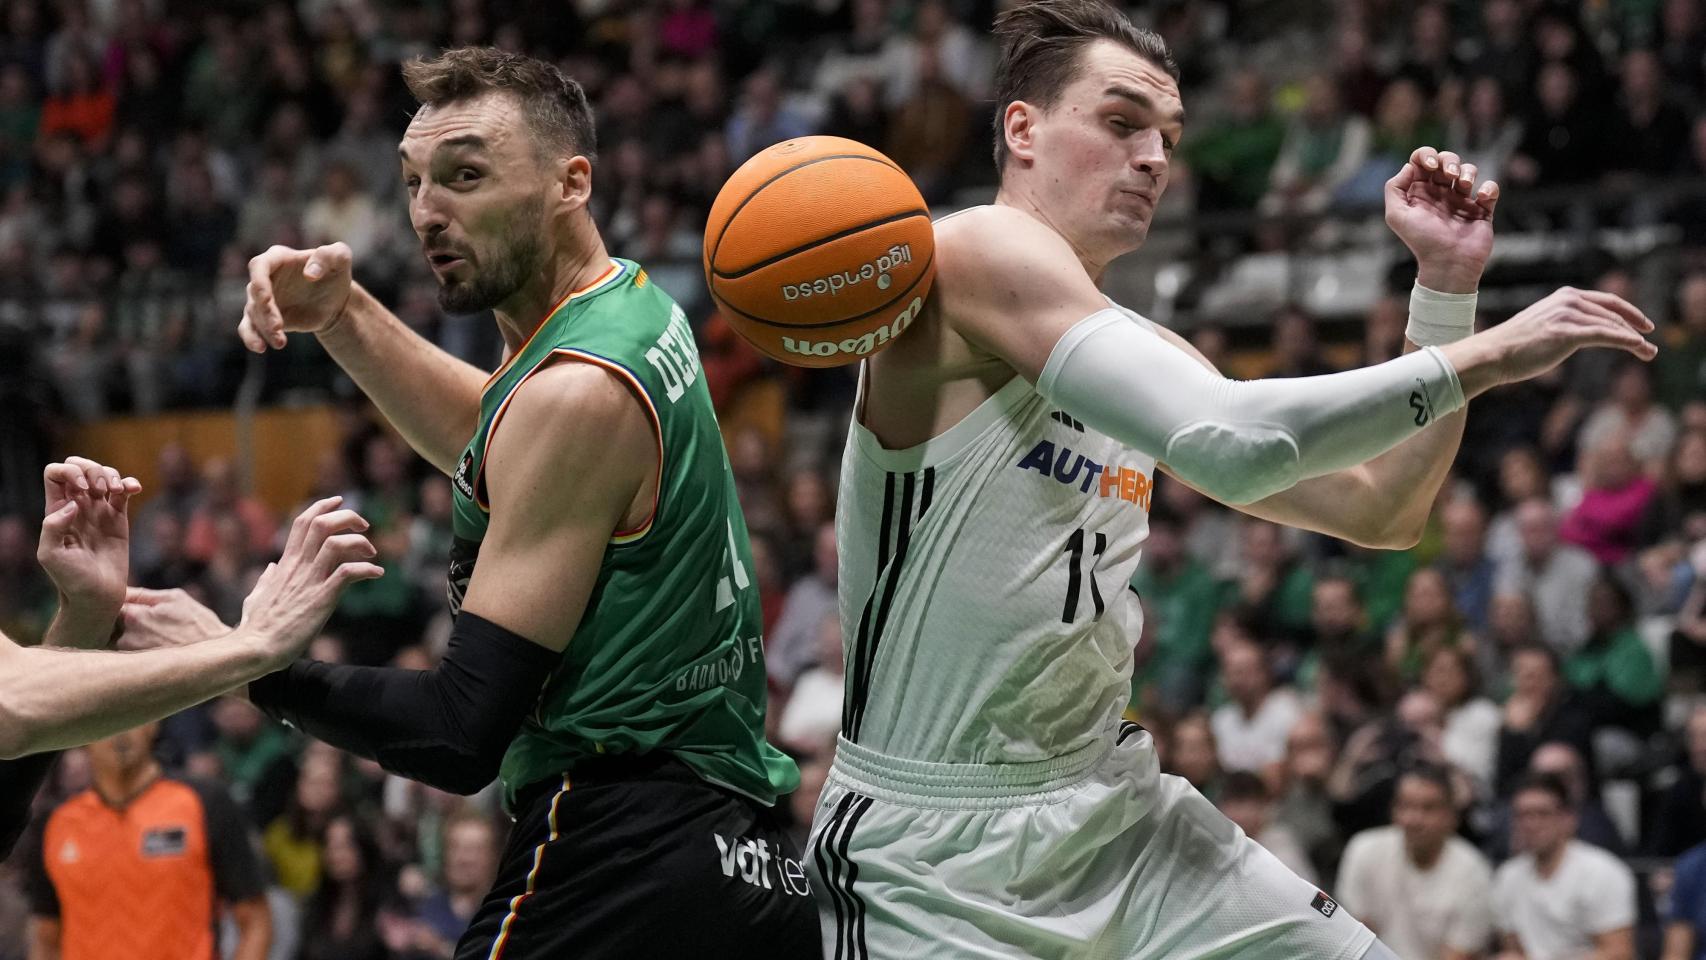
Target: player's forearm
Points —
{"points": [[80, 626], [432, 398], [52, 699]]}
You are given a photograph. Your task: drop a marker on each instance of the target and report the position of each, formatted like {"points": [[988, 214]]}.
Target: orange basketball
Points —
{"points": [[819, 251]]}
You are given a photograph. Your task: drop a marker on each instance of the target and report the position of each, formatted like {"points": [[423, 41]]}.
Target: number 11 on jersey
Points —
{"points": [[726, 593], [1077, 573]]}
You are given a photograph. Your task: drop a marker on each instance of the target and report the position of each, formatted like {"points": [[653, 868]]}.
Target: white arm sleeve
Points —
{"points": [[1238, 440]]}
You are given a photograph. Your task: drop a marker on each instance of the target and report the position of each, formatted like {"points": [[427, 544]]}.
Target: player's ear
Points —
{"points": [[1018, 125], [574, 181]]}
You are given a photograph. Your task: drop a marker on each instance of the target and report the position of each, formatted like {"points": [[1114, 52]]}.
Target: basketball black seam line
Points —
{"points": [[839, 235], [725, 305], [715, 247]]}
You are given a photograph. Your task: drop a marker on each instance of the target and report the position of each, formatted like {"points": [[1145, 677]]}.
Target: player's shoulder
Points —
{"points": [[991, 235], [575, 395]]}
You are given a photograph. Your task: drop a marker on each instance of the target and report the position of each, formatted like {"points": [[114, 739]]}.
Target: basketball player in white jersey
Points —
{"points": [[985, 800]]}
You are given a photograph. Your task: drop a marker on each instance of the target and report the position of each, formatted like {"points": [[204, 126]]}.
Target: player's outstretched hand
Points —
{"points": [[294, 291], [85, 533], [326, 551], [166, 618], [1566, 320], [1445, 217]]}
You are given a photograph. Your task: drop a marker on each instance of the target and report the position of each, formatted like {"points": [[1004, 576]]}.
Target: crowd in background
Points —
{"points": [[1543, 647]]}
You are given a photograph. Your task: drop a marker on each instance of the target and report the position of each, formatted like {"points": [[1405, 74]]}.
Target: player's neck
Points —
{"points": [[574, 267], [1016, 195], [117, 788]]}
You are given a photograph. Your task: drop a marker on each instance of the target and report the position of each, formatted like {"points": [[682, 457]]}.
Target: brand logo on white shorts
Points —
{"points": [[752, 859], [858, 346], [877, 268], [1324, 904]]}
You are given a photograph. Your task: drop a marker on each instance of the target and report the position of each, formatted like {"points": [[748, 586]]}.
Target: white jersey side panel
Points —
{"points": [[983, 584]]}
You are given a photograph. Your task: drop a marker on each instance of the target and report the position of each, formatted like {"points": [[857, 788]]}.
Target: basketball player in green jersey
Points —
{"points": [[606, 659]]}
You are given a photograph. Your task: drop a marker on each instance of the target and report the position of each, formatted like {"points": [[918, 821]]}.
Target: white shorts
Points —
{"points": [[1092, 855]]}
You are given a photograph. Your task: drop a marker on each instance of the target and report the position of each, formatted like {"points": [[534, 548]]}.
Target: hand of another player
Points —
{"points": [[85, 533], [1434, 205], [166, 618], [325, 552], [1565, 321], [294, 291]]}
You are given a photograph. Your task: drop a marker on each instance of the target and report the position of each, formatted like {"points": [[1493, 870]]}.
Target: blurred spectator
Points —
{"points": [[813, 712], [221, 498], [1614, 677], [794, 644], [339, 921], [1629, 413], [84, 106], [1468, 570], [471, 848], [1251, 729], [1680, 367], [1560, 898], [1423, 889], [1401, 124], [254, 757], [761, 118], [29, 600], [1540, 710], [1231, 156], [1189, 751], [143, 863], [1303, 805], [1324, 146], [292, 840], [1245, 800], [270, 213], [1361, 78], [1678, 512], [199, 223], [1273, 585], [1616, 496], [1558, 144], [1593, 824], [1685, 923], [342, 212], [1180, 598], [1296, 350], [928, 132], [1337, 620], [1428, 623], [1486, 134], [1680, 819], [1652, 132], [1470, 735], [1522, 477], [1555, 576]]}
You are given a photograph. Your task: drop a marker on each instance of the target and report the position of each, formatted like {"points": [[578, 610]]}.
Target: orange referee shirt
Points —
{"points": [[144, 881]]}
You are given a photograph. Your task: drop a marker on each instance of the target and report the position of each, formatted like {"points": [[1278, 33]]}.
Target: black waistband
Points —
{"points": [[611, 768]]}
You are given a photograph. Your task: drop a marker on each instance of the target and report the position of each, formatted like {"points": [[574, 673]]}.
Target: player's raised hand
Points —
{"points": [[166, 618], [294, 291], [326, 551], [1436, 206], [85, 533]]}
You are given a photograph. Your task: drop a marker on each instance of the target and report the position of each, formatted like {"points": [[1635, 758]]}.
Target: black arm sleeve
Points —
{"points": [[230, 851], [19, 781], [447, 727]]}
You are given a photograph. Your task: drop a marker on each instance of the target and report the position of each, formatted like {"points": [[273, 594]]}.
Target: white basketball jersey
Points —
{"points": [[983, 584]]}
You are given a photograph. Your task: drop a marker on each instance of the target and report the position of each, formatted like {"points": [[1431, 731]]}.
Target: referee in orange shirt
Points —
{"points": [[139, 866]]}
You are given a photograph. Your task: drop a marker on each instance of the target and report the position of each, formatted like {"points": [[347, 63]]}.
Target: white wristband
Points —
{"points": [[1437, 319]]}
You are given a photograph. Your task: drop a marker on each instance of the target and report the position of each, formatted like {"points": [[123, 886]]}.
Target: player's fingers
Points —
{"points": [[1488, 196], [299, 526], [64, 476], [328, 259], [327, 526], [348, 573], [344, 548], [1466, 179], [121, 493], [1400, 181], [1449, 166], [94, 475], [1426, 159], [144, 597], [1594, 324], [58, 523], [1620, 307], [246, 333]]}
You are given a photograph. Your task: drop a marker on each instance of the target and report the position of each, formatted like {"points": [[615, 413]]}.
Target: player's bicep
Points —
{"points": [[575, 450], [1010, 286]]}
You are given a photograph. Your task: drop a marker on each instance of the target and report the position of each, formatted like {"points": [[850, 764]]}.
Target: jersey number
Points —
{"points": [[726, 593], [1077, 573]]}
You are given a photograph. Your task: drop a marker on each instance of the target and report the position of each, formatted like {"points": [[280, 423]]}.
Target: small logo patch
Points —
{"points": [[461, 479], [165, 842], [1326, 905]]}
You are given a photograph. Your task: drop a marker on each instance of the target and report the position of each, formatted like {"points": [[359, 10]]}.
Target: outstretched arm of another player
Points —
{"points": [[432, 398], [50, 699], [574, 452], [1014, 288]]}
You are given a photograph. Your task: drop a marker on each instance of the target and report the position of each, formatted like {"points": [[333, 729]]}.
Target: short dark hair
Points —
{"points": [[1431, 773], [1243, 785], [1040, 42], [556, 107], [1545, 783]]}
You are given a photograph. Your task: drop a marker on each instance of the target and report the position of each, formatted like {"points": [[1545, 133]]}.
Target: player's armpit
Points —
{"points": [[1010, 285], [577, 454]]}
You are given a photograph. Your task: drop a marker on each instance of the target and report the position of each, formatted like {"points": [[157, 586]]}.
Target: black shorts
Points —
{"points": [[641, 858]]}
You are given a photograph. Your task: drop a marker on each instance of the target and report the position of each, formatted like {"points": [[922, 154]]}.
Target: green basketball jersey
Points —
{"points": [[669, 652]]}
